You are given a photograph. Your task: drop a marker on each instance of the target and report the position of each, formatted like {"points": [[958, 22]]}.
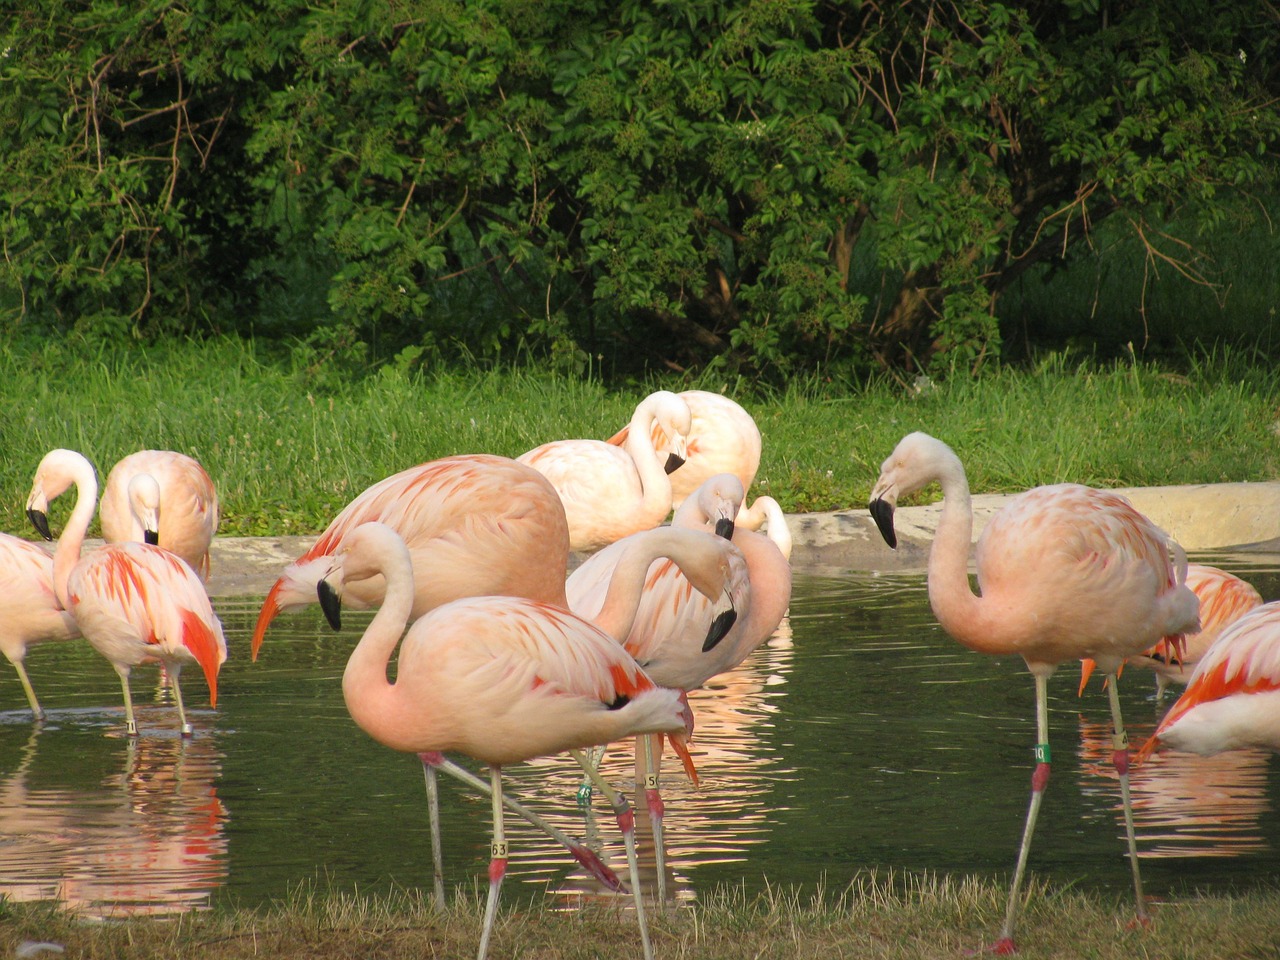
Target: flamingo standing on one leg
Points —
{"points": [[29, 609], [1065, 572], [474, 525], [722, 438], [1232, 700], [611, 491], [164, 498], [680, 636], [502, 679], [134, 602]]}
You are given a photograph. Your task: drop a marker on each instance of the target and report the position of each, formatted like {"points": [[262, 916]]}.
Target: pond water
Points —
{"points": [[859, 737]]}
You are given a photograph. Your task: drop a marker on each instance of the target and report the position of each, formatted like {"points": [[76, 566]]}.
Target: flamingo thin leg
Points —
{"points": [[433, 816], [130, 725], [36, 712], [1120, 757], [627, 822], [656, 809], [497, 861], [583, 854], [1039, 780], [177, 698]]}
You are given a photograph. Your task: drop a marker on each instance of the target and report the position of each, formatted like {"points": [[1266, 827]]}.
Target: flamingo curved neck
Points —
{"points": [[655, 484], [626, 585], [371, 698], [961, 612], [67, 553]]}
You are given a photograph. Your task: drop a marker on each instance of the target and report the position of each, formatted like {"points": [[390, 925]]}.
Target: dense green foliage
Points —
{"points": [[288, 450], [769, 185]]}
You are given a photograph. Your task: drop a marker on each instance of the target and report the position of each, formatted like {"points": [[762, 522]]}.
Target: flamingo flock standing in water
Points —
{"points": [[503, 655]]}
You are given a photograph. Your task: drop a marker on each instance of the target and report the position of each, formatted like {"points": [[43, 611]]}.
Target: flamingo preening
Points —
{"points": [[164, 498], [608, 490], [1065, 573], [722, 438], [501, 679], [134, 602]]}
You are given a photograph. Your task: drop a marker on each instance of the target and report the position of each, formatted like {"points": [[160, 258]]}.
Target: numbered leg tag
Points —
{"points": [[651, 781], [1120, 740], [498, 850], [1042, 753]]}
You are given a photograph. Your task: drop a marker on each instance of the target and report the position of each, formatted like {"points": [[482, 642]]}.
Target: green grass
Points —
{"points": [[289, 449], [876, 917]]}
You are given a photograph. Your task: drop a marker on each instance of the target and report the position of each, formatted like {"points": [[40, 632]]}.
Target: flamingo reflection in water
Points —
{"points": [[147, 841], [1184, 805], [739, 771]]}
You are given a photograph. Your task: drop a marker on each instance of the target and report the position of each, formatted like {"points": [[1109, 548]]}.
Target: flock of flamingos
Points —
{"points": [[503, 655]]}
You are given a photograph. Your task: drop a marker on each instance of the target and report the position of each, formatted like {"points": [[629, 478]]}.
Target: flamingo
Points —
{"points": [[680, 636], [1066, 572], [610, 491], [29, 610], [134, 602], [503, 679], [722, 438], [165, 498], [474, 525], [1232, 700], [766, 513]]}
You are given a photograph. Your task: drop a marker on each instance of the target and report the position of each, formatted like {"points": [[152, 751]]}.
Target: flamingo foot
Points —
{"points": [[1004, 947], [1140, 922], [597, 868]]}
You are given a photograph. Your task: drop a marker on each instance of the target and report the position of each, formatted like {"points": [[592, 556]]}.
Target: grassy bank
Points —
{"points": [[289, 445], [875, 918]]}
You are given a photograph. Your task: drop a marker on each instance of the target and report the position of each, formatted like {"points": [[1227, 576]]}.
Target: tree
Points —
{"points": [[769, 184]]}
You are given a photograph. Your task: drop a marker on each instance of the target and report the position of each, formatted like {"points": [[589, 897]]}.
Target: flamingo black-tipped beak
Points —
{"points": [[882, 513], [674, 462], [724, 528], [152, 537], [719, 629], [330, 603], [40, 521]]}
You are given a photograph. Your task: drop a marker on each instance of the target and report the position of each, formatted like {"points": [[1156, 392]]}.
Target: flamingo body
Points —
{"points": [[474, 525], [165, 498], [612, 491], [29, 609], [135, 603], [1232, 700], [722, 438]]}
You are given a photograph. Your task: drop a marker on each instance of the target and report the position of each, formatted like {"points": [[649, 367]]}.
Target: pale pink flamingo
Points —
{"points": [[1065, 572], [1224, 598], [134, 602], [474, 525], [722, 438], [611, 491], [680, 636], [502, 679], [1232, 700], [29, 610], [164, 498], [765, 512]]}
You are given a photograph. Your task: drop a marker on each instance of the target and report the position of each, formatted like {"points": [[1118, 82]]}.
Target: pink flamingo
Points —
{"points": [[165, 498], [1232, 700], [502, 679], [722, 438], [681, 637], [1066, 572], [134, 602], [474, 525], [766, 513], [611, 491], [29, 610]]}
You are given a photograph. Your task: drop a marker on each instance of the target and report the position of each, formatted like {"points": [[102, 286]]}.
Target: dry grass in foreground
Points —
{"points": [[876, 917]]}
